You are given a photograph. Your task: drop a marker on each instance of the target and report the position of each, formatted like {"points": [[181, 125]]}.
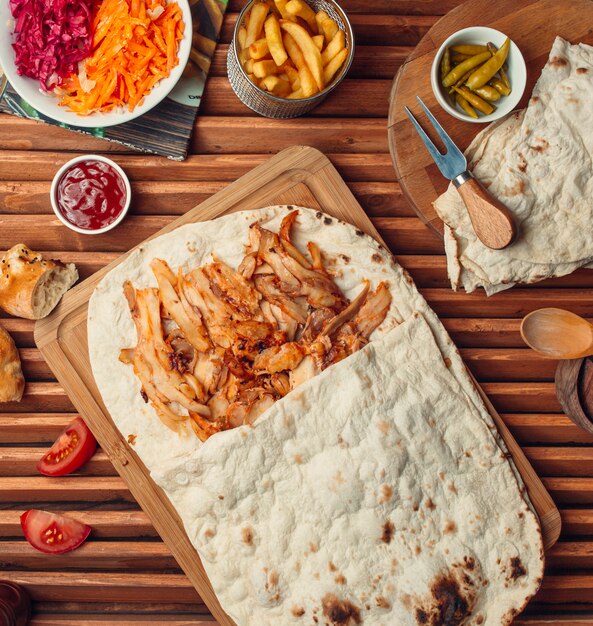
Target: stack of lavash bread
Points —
{"points": [[539, 163]]}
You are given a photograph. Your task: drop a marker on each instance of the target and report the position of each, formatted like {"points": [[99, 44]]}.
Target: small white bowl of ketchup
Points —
{"points": [[90, 194]]}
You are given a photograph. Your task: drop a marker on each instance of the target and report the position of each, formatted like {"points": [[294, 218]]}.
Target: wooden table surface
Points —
{"points": [[124, 574]]}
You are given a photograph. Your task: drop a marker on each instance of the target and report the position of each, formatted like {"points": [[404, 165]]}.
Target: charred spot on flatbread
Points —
{"points": [[247, 535], [388, 530], [382, 602], [558, 62], [132, 439], [377, 258], [327, 220], [541, 146], [516, 569], [582, 70], [297, 611], [340, 612], [340, 579], [448, 605]]}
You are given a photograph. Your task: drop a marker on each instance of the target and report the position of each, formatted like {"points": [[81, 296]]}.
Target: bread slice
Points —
{"points": [[12, 382], [30, 286]]}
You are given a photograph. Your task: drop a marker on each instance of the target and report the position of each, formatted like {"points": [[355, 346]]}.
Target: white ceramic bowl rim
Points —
{"points": [[67, 166], [518, 73], [47, 104]]}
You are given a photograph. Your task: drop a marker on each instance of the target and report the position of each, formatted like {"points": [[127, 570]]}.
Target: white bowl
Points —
{"points": [[29, 89], [517, 72], [68, 165]]}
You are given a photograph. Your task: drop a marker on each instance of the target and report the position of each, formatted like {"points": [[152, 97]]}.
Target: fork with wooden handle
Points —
{"points": [[491, 220]]}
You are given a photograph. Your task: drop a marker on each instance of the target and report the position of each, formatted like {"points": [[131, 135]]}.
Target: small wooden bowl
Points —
{"points": [[574, 389]]}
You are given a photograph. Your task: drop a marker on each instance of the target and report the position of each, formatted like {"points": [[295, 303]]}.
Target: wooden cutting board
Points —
{"points": [[298, 175], [531, 24]]}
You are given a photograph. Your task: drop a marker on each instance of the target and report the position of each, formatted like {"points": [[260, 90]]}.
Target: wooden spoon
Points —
{"points": [[558, 334]]}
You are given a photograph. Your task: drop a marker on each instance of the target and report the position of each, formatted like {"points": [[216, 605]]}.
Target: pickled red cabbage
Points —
{"points": [[50, 38]]}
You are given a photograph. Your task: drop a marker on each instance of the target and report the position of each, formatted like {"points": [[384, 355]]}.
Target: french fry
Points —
{"points": [[265, 67], [256, 21], [294, 52], [337, 44], [259, 49], [308, 48], [319, 41], [281, 6], [244, 56], [249, 66], [242, 37], [308, 84], [334, 65], [252, 78], [326, 26], [298, 8], [274, 39], [297, 94], [276, 85], [293, 76]]}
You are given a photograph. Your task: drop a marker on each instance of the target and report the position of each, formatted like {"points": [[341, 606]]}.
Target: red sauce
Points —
{"points": [[91, 194]]}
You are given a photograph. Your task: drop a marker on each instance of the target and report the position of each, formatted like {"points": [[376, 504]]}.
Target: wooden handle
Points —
{"points": [[492, 221]]}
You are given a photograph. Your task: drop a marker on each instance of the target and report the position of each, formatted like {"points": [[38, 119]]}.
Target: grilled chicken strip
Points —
{"points": [[186, 317]]}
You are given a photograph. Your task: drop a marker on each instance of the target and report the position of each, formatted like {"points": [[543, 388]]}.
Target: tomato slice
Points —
{"points": [[72, 449], [53, 533]]}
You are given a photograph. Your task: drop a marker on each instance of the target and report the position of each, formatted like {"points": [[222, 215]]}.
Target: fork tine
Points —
{"points": [[447, 141], [436, 155]]}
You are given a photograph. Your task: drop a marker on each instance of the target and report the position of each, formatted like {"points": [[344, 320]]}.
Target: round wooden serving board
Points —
{"points": [[531, 24]]}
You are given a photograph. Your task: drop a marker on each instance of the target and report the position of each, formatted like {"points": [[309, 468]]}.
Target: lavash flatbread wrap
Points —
{"points": [[538, 162], [378, 492]]}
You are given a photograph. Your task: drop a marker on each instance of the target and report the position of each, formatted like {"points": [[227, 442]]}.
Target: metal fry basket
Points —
{"points": [[266, 103]]}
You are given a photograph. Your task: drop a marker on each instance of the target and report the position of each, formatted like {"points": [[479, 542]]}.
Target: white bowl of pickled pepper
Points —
{"points": [[478, 75]]}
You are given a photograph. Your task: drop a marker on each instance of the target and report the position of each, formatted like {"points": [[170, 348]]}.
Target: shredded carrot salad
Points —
{"points": [[135, 45]]}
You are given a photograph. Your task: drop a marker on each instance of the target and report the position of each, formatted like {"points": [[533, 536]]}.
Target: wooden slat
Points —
{"points": [[105, 524], [33, 489], [561, 461], [577, 521], [227, 167], [216, 135], [570, 490], [545, 428], [99, 620], [105, 586], [380, 199], [111, 610], [112, 555], [83, 619], [22, 461], [565, 589], [220, 100], [32, 427]]}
